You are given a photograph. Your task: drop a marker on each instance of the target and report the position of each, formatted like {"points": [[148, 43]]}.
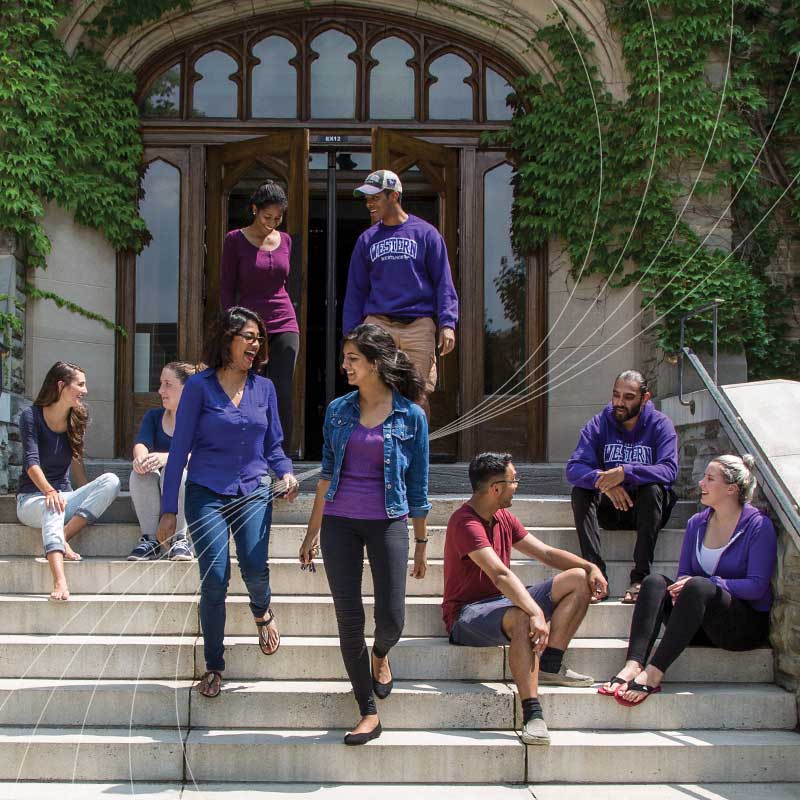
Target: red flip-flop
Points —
{"points": [[636, 687], [612, 691]]}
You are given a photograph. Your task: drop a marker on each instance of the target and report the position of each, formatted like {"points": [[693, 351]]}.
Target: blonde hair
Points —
{"points": [[739, 471]]}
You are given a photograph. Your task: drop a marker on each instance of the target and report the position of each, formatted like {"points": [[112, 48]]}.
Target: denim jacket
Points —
{"points": [[405, 452]]}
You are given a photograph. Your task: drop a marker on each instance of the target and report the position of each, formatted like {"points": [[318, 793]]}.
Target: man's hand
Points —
{"points": [[598, 585], [540, 633], [609, 478], [619, 498], [447, 341]]}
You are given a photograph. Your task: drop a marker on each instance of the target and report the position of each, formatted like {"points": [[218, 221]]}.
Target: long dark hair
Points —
{"points": [[77, 418], [393, 365], [226, 324]]}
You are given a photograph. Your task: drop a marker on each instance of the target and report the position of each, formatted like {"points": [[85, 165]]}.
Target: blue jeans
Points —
{"points": [[211, 518]]}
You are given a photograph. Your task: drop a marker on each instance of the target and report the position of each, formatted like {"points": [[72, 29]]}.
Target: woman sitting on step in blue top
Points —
{"points": [[722, 595], [150, 451], [374, 475], [228, 421], [52, 432]]}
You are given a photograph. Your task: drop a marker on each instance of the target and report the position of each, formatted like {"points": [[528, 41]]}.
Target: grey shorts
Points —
{"points": [[480, 624]]}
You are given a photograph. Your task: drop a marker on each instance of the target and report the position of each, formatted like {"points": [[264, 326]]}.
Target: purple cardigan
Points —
{"points": [[746, 565]]}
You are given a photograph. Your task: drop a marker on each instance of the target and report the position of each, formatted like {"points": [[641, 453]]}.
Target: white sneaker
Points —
{"points": [[534, 731], [564, 677]]}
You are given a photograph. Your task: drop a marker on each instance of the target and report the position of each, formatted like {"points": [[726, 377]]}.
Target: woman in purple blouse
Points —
{"points": [[255, 266], [722, 595], [228, 420]]}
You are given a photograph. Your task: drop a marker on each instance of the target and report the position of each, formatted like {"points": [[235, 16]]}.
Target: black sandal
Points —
{"points": [[616, 680], [210, 684], [263, 634]]}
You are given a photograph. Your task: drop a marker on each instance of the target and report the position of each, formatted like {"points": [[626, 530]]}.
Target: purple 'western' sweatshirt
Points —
{"points": [[746, 565], [400, 271], [647, 454]]}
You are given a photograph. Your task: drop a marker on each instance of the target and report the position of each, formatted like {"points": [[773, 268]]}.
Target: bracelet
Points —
{"points": [[422, 541]]}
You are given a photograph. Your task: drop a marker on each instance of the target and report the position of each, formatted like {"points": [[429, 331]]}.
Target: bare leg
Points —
{"points": [[71, 529], [521, 658], [571, 596], [630, 671], [60, 590], [366, 724], [381, 669]]}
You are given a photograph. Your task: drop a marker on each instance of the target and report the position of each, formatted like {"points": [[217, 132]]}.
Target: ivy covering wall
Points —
{"points": [[606, 176]]}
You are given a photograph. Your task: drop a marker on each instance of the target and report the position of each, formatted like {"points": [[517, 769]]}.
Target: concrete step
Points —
{"points": [[659, 791], [541, 510], [319, 658], [117, 540], [118, 754], [664, 756], [21, 574], [177, 615], [436, 705]]}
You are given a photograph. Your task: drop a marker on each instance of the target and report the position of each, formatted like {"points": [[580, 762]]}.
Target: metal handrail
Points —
{"points": [[713, 305], [775, 490]]}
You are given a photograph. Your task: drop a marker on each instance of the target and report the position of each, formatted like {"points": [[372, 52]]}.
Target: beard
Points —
{"points": [[623, 414]]}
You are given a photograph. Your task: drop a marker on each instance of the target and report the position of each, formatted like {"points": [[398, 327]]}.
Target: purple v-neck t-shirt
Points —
{"points": [[360, 494], [260, 278]]}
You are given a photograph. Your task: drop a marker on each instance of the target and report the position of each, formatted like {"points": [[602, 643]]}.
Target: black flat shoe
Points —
{"points": [[363, 738], [382, 690]]}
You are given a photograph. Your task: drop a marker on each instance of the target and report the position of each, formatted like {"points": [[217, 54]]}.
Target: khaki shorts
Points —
{"points": [[417, 339]]}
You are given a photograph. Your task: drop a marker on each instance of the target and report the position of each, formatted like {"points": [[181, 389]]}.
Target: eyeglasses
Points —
{"points": [[251, 337], [514, 482]]}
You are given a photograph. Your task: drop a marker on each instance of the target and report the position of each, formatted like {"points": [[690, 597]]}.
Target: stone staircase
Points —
{"points": [[99, 689]]}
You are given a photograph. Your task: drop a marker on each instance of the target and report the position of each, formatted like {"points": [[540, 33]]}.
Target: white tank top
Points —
{"points": [[709, 558]]}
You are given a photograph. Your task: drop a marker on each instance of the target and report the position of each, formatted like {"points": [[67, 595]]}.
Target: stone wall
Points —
{"points": [[12, 400]]}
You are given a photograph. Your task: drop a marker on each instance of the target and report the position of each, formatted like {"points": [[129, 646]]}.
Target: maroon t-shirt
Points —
{"points": [[260, 278], [464, 581]]}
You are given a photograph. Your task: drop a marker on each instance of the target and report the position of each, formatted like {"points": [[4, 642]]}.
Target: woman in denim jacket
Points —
{"points": [[374, 475]]}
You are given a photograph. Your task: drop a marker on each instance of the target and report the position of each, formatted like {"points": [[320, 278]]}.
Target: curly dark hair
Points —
{"points": [[77, 418], [486, 466], [269, 194], [394, 366], [224, 326]]}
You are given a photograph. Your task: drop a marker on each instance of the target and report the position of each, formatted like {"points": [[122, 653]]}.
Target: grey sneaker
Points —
{"points": [[564, 677], [534, 731], [180, 551]]}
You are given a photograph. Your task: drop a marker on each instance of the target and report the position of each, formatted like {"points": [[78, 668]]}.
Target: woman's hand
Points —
{"points": [[150, 463], [420, 561], [676, 588], [292, 487], [166, 527], [54, 501], [310, 547]]}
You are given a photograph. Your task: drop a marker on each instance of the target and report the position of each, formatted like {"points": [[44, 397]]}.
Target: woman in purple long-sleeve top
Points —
{"points": [[722, 595], [227, 420], [255, 273]]}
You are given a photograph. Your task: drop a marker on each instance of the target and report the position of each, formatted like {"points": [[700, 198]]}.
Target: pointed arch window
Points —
{"points": [[497, 90], [449, 96], [391, 80], [274, 79], [163, 99], [333, 77], [215, 92]]}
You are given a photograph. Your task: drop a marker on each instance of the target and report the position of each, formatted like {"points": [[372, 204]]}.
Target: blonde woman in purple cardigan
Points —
{"points": [[722, 595]]}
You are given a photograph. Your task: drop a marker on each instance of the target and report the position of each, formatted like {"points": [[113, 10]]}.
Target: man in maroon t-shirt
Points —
{"points": [[486, 605]]}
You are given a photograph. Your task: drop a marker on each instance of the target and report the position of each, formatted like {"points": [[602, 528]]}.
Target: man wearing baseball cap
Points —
{"points": [[400, 279]]}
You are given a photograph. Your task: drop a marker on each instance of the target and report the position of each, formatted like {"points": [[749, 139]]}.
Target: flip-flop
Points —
{"points": [[210, 684], [612, 691], [263, 635], [635, 687], [631, 594]]}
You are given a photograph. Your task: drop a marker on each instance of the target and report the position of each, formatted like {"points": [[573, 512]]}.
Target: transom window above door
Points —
{"points": [[361, 68]]}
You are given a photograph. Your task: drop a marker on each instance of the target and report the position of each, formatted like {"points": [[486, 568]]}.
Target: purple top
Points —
{"points": [[260, 278], [400, 271], [746, 565], [232, 448], [647, 454], [44, 448], [360, 493]]}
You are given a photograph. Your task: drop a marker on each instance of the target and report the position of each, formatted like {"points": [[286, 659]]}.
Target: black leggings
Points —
{"points": [[704, 614], [283, 348], [342, 542]]}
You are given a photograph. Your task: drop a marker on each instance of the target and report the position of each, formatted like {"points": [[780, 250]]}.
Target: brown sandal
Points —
{"points": [[631, 594], [210, 684], [263, 634]]}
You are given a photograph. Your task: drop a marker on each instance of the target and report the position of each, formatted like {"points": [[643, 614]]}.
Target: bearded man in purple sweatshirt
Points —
{"points": [[400, 279], [622, 473]]}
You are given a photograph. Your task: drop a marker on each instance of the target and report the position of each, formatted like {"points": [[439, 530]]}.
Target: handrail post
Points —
{"points": [[713, 306]]}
